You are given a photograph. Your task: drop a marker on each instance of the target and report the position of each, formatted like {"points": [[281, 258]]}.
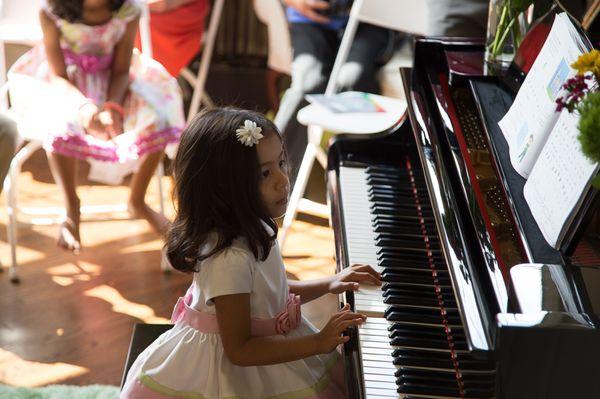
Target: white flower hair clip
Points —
{"points": [[249, 134]]}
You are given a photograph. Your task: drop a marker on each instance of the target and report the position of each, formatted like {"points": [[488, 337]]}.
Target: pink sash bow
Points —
{"points": [[287, 320], [89, 63]]}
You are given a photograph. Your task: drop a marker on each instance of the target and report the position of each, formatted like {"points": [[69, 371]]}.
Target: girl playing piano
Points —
{"points": [[238, 330]]}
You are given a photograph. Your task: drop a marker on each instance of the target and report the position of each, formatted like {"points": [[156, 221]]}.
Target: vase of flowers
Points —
{"points": [[582, 95], [507, 25]]}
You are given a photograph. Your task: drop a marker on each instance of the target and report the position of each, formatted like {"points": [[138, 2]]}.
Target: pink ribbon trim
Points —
{"points": [[89, 63], [287, 320]]}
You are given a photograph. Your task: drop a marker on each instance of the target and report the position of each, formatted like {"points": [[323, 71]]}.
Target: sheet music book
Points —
{"points": [[543, 143], [346, 102]]}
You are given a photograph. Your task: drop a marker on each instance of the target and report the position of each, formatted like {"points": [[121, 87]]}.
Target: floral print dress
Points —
{"points": [[153, 106]]}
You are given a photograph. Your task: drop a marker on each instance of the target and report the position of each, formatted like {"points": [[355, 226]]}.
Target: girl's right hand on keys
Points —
{"points": [[330, 336]]}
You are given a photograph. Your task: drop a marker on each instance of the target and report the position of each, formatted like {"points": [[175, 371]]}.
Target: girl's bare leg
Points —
{"points": [[139, 184], [64, 170]]}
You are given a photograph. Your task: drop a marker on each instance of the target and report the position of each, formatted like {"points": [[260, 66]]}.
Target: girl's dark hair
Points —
{"points": [[72, 10], [217, 189]]}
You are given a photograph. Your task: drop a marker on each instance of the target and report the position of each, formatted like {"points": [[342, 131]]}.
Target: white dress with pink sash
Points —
{"points": [[188, 361]]}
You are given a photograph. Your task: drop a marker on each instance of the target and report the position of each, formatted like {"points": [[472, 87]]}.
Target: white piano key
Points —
{"points": [[380, 392], [380, 328], [379, 365], [360, 244], [376, 351], [386, 377], [374, 344], [381, 385]]}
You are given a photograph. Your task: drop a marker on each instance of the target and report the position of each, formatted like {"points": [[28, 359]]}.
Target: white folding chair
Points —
{"points": [[19, 24], [400, 15], [272, 14]]}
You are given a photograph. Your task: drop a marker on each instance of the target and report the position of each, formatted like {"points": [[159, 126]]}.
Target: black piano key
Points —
{"points": [[409, 290], [377, 181], [396, 273], [398, 243], [400, 252], [427, 380], [423, 358], [399, 276], [426, 222], [411, 330], [391, 188], [474, 386], [383, 168], [394, 214], [387, 168], [400, 210], [425, 340], [417, 301], [427, 389], [425, 343], [418, 269], [410, 195], [421, 315], [400, 178], [410, 358], [387, 198], [405, 233], [428, 290], [427, 300], [413, 228], [470, 380], [414, 260]]}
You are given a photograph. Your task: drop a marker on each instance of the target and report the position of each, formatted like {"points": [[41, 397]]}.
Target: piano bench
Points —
{"points": [[143, 335]]}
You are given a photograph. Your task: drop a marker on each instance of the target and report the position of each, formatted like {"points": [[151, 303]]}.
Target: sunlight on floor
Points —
{"points": [[25, 254], [145, 246], [69, 273], [16, 371], [122, 305]]}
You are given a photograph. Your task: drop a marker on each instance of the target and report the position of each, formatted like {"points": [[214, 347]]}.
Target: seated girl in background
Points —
{"points": [[97, 100], [238, 331]]}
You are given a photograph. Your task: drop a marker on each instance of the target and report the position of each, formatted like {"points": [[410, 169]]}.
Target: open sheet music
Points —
{"points": [[543, 143]]}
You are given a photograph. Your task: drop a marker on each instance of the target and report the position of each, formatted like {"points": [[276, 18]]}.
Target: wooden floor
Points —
{"points": [[69, 320]]}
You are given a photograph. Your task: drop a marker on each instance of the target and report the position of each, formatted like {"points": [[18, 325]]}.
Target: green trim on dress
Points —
{"points": [[312, 390]]}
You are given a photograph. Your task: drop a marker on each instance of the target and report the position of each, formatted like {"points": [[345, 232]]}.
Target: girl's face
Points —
{"points": [[274, 180]]}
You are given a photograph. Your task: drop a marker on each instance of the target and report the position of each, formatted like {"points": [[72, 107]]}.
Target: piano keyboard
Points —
{"points": [[412, 344]]}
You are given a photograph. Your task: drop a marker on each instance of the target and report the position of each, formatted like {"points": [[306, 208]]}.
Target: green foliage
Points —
{"points": [[519, 6], [589, 128]]}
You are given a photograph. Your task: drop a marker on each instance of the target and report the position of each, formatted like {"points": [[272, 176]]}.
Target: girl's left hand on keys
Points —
{"points": [[349, 278]]}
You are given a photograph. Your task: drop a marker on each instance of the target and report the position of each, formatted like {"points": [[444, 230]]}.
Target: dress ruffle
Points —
{"points": [[153, 105], [155, 374]]}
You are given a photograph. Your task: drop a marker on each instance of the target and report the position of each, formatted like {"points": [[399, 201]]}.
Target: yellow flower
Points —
{"points": [[588, 62]]}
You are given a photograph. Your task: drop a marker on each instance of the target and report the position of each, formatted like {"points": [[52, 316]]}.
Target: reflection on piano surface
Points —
{"points": [[434, 207]]}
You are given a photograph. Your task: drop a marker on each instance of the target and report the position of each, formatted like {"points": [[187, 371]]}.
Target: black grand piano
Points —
{"points": [[475, 303]]}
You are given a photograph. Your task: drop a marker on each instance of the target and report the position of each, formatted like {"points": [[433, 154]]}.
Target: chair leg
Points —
{"points": [[207, 51], [11, 191], [165, 265], [160, 173], [298, 192]]}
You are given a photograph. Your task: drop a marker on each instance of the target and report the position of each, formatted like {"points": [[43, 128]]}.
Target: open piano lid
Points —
{"points": [[488, 95]]}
